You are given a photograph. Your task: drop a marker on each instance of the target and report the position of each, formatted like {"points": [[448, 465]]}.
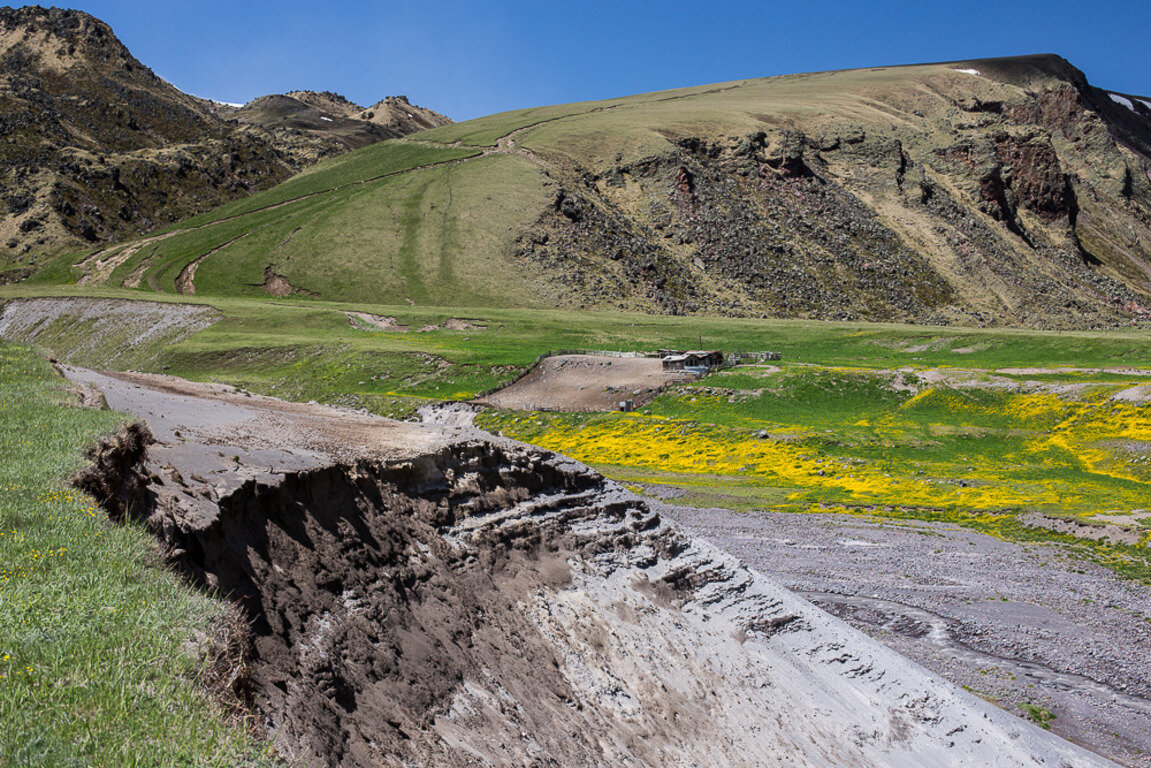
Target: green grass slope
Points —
{"points": [[920, 193], [96, 636]]}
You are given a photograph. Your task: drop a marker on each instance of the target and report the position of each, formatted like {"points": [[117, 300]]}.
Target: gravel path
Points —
{"points": [[1014, 623]]}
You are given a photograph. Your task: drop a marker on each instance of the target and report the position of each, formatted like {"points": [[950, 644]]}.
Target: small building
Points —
{"points": [[693, 361], [699, 358]]}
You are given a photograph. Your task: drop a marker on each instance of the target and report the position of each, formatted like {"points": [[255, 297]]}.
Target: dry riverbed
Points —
{"points": [[1017, 624]]}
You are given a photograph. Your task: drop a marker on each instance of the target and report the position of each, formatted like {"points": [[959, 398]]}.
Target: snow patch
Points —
{"points": [[968, 71], [1145, 103], [330, 120], [1122, 100]]}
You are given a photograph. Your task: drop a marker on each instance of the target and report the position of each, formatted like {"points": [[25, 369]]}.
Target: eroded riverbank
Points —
{"points": [[418, 596]]}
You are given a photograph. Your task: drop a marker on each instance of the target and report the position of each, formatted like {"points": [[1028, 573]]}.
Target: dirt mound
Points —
{"points": [[486, 603], [377, 322], [111, 328], [399, 114], [586, 383]]}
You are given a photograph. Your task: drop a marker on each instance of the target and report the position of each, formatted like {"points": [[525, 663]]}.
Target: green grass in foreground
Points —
{"points": [[95, 666]]}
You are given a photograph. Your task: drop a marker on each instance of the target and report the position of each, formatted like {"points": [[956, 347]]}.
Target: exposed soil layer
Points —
{"points": [[109, 328], [586, 383], [447, 600]]}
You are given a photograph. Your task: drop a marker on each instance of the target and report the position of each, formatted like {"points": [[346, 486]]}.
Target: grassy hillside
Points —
{"points": [[923, 194]]}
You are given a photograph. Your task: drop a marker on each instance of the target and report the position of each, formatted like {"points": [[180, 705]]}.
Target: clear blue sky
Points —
{"points": [[470, 59]]}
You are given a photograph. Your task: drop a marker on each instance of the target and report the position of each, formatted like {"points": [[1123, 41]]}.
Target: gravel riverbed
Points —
{"points": [[1015, 623]]}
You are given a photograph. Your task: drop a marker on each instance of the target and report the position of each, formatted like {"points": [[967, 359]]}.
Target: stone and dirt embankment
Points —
{"points": [[427, 595], [80, 328]]}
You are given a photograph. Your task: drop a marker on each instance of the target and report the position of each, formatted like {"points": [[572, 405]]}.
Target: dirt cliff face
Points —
{"points": [[1004, 192], [484, 603]]}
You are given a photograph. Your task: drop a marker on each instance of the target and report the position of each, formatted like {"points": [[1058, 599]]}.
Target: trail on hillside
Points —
{"points": [[98, 268]]}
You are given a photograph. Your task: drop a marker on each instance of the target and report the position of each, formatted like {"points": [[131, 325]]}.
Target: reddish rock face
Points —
{"points": [[1037, 178]]}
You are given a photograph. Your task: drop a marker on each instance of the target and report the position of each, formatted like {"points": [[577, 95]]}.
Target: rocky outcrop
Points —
{"points": [[1023, 201]]}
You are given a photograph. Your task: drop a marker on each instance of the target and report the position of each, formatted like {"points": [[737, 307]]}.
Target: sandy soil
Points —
{"points": [[1015, 623], [586, 383], [223, 437]]}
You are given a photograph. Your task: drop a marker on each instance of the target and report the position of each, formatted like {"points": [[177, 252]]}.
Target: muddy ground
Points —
{"points": [[422, 595], [1014, 623], [586, 383]]}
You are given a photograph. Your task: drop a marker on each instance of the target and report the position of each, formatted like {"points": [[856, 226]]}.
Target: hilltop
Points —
{"points": [[990, 192], [310, 125], [98, 148]]}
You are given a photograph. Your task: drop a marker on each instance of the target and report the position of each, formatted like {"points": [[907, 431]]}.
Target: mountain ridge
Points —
{"points": [[987, 192], [99, 148]]}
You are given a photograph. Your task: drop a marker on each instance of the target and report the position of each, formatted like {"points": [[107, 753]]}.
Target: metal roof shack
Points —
{"points": [[696, 361]]}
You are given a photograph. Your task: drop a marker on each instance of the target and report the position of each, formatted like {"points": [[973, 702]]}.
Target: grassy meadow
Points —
{"points": [[96, 668]]}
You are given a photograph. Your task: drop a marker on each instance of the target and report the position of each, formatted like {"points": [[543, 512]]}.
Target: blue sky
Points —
{"points": [[471, 59]]}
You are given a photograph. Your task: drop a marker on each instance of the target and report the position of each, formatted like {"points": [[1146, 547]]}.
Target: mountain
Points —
{"points": [[97, 148], [994, 192], [310, 126], [397, 113]]}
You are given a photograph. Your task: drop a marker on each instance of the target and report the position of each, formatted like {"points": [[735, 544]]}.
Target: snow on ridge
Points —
{"points": [[1122, 100], [1145, 103], [968, 71]]}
